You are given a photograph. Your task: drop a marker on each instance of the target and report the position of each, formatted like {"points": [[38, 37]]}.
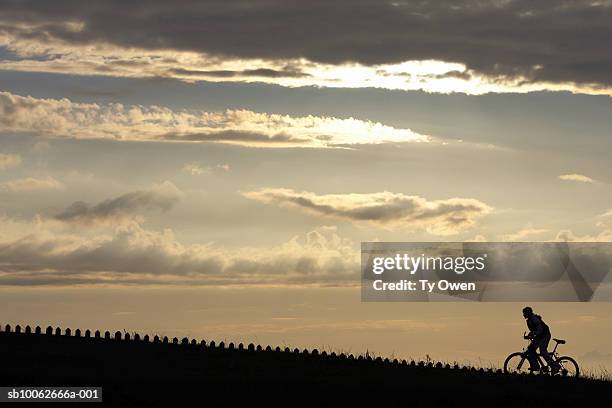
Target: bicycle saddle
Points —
{"points": [[559, 341]]}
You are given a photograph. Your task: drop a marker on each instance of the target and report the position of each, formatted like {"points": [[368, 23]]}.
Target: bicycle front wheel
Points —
{"points": [[516, 363], [569, 367]]}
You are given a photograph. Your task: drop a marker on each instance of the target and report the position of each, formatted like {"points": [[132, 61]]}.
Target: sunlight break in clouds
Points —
{"points": [[576, 177], [63, 118], [384, 209]]}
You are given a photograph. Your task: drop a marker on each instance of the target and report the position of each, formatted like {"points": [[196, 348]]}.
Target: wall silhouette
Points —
{"points": [[202, 344]]}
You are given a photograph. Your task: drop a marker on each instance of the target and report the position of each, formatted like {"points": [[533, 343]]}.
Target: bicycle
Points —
{"points": [[517, 362]]}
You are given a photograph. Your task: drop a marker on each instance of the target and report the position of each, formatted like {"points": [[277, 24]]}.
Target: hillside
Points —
{"points": [[141, 371]]}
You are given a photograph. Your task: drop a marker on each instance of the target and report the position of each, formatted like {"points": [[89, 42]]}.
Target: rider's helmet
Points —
{"points": [[527, 311]]}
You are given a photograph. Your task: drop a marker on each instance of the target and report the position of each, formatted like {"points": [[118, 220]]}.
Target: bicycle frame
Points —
{"points": [[541, 360]]}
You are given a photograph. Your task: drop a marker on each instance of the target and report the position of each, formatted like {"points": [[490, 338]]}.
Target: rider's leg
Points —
{"points": [[532, 355], [543, 346]]}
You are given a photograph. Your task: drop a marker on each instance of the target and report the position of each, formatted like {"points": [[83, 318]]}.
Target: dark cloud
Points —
{"points": [[260, 72], [235, 136], [455, 74], [547, 40], [116, 209]]}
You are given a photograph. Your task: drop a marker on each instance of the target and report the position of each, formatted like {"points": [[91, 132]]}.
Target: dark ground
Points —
{"points": [[138, 373]]}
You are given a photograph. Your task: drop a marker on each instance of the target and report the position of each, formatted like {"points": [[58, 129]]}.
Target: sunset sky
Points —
{"points": [[210, 168]]}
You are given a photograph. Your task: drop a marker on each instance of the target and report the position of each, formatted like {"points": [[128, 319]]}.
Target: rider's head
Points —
{"points": [[527, 312]]}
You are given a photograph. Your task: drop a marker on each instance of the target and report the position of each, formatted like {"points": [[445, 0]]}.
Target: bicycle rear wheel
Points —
{"points": [[516, 363], [569, 367]]}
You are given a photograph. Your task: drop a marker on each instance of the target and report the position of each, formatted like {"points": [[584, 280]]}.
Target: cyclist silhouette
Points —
{"points": [[539, 334]]}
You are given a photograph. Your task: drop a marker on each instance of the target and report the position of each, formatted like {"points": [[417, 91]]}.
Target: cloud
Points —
{"points": [[516, 43], [122, 208], [607, 213], [523, 233], [385, 209], [63, 118], [196, 169], [31, 184], [9, 160], [133, 255], [569, 236], [576, 177], [477, 238]]}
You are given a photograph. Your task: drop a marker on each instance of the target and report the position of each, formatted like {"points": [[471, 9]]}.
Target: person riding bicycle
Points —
{"points": [[539, 334]]}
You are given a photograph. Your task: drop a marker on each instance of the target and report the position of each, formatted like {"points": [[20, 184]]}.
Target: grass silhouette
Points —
{"points": [[142, 370]]}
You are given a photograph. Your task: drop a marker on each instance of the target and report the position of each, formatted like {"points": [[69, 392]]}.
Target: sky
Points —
{"points": [[210, 168]]}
